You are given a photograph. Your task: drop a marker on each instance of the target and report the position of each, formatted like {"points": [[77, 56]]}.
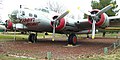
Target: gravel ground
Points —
{"points": [[58, 48]]}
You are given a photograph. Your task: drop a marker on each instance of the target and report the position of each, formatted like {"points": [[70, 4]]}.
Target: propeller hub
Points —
{"points": [[59, 24]]}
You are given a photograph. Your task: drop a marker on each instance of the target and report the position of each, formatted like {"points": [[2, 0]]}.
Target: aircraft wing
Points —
{"points": [[114, 21], [114, 18]]}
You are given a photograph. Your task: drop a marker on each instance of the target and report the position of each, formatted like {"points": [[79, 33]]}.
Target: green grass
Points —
{"points": [[10, 36], [4, 57], [113, 56], [107, 35]]}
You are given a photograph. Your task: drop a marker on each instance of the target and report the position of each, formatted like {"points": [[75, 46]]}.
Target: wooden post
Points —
{"points": [[118, 42], [114, 45], [49, 55], [105, 50]]}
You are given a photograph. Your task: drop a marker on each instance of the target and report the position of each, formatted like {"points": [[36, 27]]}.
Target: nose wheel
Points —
{"points": [[72, 39], [32, 38]]}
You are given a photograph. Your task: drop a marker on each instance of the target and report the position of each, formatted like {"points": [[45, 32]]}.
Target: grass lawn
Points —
{"points": [[114, 56], [10, 36], [4, 57]]}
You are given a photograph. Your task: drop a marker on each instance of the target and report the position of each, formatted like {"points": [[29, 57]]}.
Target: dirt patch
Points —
{"points": [[57, 48]]}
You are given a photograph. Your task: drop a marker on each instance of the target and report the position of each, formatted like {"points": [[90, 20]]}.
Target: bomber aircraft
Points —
{"points": [[45, 21]]}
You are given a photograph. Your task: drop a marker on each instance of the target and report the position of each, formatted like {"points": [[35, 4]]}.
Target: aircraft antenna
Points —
{"points": [[20, 6]]}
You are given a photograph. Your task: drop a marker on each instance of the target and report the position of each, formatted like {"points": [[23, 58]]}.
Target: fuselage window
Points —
{"points": [[23, 13], [35, 15], [30, 14], [44, 10]]}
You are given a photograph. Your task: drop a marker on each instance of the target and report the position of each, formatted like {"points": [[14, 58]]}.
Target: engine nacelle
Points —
{"points": [[60, 23], [9, 24], [103, 20]]}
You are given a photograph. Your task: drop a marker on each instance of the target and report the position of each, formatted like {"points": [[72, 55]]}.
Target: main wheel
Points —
{"points": [[32, 38], [72, 39]]}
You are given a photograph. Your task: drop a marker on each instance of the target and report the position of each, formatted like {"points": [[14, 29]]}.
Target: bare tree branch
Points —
{"points": [[55, 6]]}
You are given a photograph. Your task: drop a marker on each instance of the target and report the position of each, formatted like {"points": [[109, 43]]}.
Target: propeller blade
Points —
{"points": [[63, 15], [53, 35], [93, 29], [104, 9], [87, 13]]}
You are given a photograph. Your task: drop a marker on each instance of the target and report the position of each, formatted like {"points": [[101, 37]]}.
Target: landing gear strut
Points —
{"points": [[87, 35], [104, 34], [32, 37], [72, 39]]}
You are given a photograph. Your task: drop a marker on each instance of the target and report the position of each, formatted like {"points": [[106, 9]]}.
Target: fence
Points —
{"points": [[106, 50], [110, 49]]}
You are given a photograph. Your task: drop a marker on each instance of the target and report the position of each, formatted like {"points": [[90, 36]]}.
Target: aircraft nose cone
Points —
{"points": [[14, 16]]}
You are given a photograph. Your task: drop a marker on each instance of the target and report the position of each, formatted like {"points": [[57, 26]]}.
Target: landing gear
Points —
{"points": [[104, 34], [72, 39], [87, 35], [32, 38], [23, 32], [46, 33]]}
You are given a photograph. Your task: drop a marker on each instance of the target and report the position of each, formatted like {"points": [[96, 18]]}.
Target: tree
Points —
{"points": [[55, 6], [59, 7], [85, 16], [102, 3]]}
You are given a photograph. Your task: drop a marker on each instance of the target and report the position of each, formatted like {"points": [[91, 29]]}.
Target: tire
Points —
{"points": [[32, 38], [72, 39]]}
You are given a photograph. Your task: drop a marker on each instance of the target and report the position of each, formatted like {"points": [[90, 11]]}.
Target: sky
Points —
{"points": [[9, 5]]}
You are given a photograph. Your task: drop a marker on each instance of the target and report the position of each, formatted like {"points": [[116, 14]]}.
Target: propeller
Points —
{"points": [[95, 17], [55, 22]]}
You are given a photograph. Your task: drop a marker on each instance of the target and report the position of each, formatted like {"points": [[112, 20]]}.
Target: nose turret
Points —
{"points": [[14, 16]]}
